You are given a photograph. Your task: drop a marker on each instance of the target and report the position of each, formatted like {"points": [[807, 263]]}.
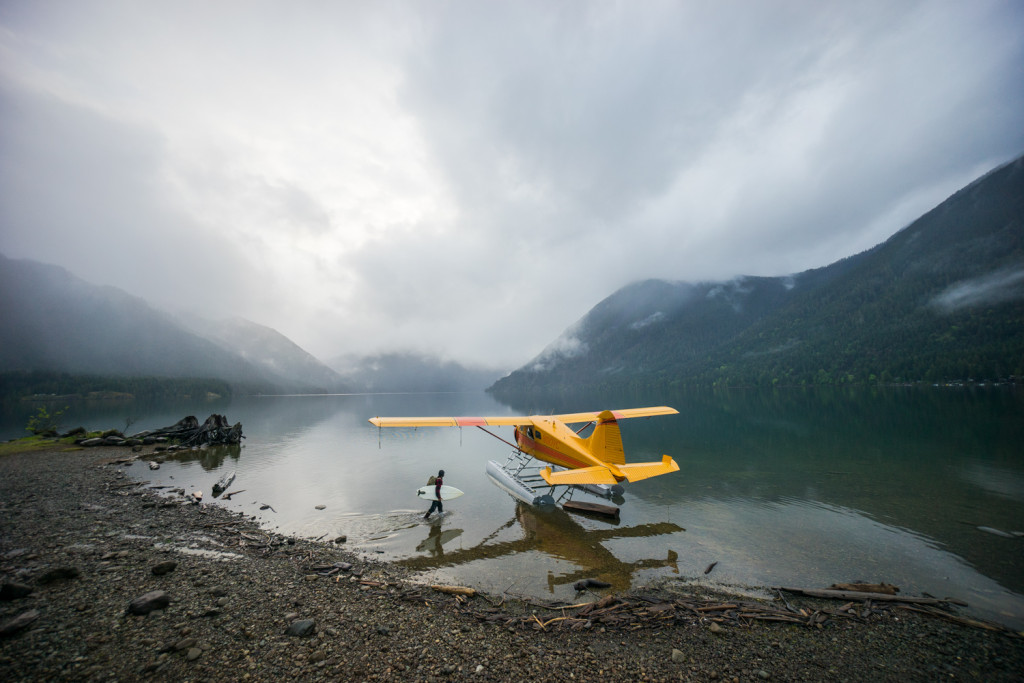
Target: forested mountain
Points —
{"points": [[942, 299], [54, 323]]}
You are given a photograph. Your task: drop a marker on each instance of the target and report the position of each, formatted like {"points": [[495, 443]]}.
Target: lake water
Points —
{"points": [[785, 488]]}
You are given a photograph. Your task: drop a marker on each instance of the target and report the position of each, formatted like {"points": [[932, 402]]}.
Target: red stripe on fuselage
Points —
{"points": [[548, 454]]}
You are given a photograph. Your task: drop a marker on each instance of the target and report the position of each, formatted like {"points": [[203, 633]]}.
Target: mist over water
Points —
{"points": [[785, 488]]}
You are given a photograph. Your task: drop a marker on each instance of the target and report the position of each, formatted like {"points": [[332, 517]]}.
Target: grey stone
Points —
{"points": [[185, 643], [12, 626], [13, 591], [144, 604], [164, 567], [302, 628], [59, 574]]}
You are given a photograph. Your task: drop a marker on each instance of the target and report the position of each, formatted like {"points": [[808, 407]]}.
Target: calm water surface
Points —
{"points": [[788, 488]]}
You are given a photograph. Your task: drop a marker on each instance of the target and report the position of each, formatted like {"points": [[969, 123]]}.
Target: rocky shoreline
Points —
{"points": [[104, 579]]}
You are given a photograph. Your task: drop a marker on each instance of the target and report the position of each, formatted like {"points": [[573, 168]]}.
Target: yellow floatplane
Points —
{"points": [[595, 460]]}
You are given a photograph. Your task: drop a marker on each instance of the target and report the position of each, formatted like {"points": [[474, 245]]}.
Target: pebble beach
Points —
{"points": [[105, 579]]}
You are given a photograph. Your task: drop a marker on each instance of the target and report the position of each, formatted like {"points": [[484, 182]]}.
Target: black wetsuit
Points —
{"points": [[436, 503]]}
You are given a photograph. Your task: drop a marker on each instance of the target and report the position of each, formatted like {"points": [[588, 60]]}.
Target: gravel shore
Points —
{"points": [[81, 544]]}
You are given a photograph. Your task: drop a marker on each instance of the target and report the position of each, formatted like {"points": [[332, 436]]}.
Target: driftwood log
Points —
{"points": [[887, 588], [658, 610], [455, 590], [880, 597], [188, 432], [223, 483]]}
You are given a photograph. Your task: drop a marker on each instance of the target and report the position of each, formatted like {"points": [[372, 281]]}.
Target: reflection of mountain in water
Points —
{"points": [[555, 533], [209, 458]]}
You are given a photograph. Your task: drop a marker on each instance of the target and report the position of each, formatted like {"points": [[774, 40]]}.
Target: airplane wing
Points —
{"points": [[450, 421], [514, 420], [618, 414]]}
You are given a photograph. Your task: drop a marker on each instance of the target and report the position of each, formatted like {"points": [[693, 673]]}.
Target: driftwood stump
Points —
{"points": [[188, 431]]}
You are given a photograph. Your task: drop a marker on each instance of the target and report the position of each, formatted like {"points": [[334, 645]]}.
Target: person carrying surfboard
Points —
{"points": [[435, 504]]}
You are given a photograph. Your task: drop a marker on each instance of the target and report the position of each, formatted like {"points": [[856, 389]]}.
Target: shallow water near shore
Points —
{"points": [[788, 488]]}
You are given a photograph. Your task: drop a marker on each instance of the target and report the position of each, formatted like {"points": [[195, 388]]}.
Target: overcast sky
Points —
{"points": [[470, 178]]}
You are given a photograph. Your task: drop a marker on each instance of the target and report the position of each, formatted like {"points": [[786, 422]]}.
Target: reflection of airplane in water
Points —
{"points": [[555, 533]]}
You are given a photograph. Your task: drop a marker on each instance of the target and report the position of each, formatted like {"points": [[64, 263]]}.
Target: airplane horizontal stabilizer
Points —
{"points": [[582, 475], [645, 470]]}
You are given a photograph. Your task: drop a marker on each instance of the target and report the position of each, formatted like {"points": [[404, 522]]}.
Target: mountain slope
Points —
{"points": [[270, 351], [942, 299], [52, 321]]}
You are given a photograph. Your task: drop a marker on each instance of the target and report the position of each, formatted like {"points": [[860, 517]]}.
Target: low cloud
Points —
{"points": [[1001, 286], [380, 177], [567, 345]]}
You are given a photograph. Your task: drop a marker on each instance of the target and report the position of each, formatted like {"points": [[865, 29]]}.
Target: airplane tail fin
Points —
{"points": [[606, 441], [645, 470], [582, 475]]}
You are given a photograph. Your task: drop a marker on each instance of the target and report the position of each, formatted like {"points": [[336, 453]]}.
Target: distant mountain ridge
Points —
{"points": [[942, 299], [410, 372], [52, 321]]}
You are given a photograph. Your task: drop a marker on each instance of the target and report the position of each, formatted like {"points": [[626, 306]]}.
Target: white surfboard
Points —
{"points": [[447, 492]]}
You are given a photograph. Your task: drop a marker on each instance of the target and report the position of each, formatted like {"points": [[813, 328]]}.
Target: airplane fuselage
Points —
{"points": [[554, 442]]}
